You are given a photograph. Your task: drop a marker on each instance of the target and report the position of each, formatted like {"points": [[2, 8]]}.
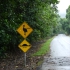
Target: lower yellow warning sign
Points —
{"points": [[24, 46]]}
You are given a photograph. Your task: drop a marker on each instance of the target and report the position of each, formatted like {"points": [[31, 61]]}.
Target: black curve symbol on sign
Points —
{"points": [[25, 29]]}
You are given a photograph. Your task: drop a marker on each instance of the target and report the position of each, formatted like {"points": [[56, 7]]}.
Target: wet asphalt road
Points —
{"points": [[59, 63], [59, 58]]}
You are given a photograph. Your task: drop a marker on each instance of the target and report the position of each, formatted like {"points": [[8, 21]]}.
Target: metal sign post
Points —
{"points": [[25, 58]]}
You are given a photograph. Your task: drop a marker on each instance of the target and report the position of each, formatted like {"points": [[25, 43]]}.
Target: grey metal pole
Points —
{"points": [[25, 59]]}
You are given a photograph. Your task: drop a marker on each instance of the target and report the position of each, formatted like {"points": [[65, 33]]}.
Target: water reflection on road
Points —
{"points": [[59, 58]]}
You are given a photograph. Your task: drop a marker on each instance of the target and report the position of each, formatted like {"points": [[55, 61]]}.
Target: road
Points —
{"points": [[59, 56]]}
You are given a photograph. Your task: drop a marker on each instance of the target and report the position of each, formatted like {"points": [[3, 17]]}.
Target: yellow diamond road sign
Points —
{"points": [[24, 30], [24, 46]]}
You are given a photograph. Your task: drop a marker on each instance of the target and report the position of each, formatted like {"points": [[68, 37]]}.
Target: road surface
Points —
{"points": [[59, 58]]}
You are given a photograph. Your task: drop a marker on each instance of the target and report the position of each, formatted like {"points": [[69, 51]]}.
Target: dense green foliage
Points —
{"points": [[41, 15], [65, 22]]}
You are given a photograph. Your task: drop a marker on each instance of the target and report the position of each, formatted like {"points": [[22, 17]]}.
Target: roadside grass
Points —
{"points": [[45, 47]]}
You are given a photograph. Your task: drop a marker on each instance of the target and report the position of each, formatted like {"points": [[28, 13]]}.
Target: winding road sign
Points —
{"points": [[24, 30]]}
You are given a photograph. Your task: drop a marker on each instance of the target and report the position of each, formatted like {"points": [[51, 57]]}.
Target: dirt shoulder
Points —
{"points": [[16, 61]]}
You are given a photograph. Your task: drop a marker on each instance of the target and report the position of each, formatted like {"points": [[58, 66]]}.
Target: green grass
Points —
{"points": [[45, 47]]}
